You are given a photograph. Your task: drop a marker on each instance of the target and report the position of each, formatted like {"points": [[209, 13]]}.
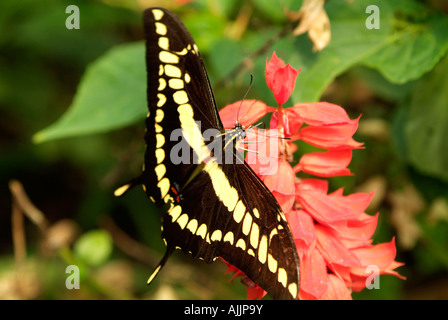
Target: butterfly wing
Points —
{"points": [[212, 210], [228, 212], [180, 101]]}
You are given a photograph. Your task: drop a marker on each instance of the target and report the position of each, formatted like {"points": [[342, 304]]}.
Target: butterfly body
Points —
{"points": [[213, 207]]}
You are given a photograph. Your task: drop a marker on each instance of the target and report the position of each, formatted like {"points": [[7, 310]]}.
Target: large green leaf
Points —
{"points": [[351, 43], [426, 127], [112, 94], [413, 51], [400, 54]]}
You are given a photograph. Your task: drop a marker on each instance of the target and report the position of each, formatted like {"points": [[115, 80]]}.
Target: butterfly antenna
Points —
{"points": [[247, 91]]}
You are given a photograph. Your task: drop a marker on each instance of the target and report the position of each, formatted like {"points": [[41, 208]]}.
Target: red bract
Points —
{"points": [[332, 232], [245, 113], [326, 164], [281, 78]]}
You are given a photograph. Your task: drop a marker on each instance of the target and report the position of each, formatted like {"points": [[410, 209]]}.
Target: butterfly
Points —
{"points": [[211, 208]]}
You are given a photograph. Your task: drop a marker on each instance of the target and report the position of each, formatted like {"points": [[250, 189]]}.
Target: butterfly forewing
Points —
{"points": [[212, 209]]}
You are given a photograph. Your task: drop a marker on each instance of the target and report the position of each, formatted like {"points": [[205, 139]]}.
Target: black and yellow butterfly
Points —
{"points": [[212, 209]]}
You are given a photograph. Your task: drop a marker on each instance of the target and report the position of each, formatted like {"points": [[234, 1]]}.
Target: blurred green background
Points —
{"points": [[69, 163]]}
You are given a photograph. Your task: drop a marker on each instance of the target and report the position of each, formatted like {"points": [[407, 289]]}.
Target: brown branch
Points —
{"points": [[23, 202], [128, 245], [22, 205], [19, 244], [247, 62]]}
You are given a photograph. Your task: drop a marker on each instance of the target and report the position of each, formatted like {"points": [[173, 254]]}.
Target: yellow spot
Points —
{"points": [[293, 290], [118, 192], [169, 199], [251, 252], [162, 100], [193, 135], [229, 237], [225, 192], [282, 276], [175, 212], [159, 115], [216, 235], [158, 14], [187, 121], [160, 140], [263, 249], [183, 52], [273, 233], [158, 128], [256, 213], [164, 186], [176, 84], [160, 171], [160, 156], [162, 84], [183, 220], [164, 43], [254, 234], [202, 231], [187, 78], [247, 223], [172, 71], [180, 97], [168, 57], [186, 110], [160, 28], [192, 225], [195, 47], [241, 244], [239, 211], [272, 263], [161, 70]]}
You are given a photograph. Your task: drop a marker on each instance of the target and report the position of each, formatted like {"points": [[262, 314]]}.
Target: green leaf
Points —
{"points": [[224, 56], [351, 43], [205, 28], [111, 95], [94, 247], [400, 55], [413, 51], [426, 128], [274, 9]]}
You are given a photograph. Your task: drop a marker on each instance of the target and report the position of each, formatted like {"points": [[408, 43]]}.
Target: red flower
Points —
{"points": [[332, 232], [280, 78]]}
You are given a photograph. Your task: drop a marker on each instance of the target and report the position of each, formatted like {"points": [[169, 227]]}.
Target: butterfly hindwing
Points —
{"points": [[234, 225], [212, 209]]}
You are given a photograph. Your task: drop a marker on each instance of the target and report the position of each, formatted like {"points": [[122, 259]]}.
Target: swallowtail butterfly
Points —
{"points": [[211, 209]]}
